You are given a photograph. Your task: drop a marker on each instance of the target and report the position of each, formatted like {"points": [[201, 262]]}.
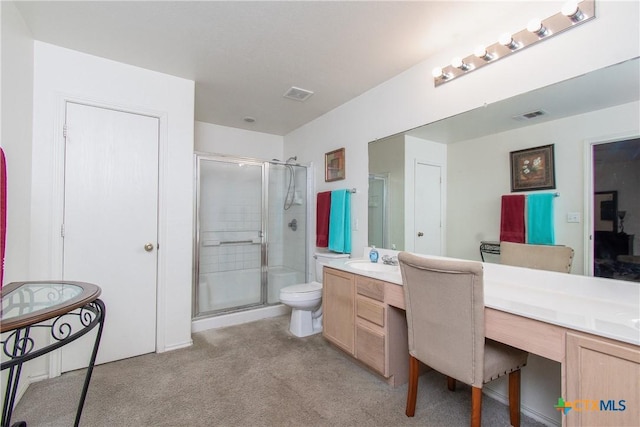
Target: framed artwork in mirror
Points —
{"points": [[334, 165], [605, 211], [533, 169]]}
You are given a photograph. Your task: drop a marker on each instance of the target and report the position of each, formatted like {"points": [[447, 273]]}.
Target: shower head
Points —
{"points": [[294, 158]]}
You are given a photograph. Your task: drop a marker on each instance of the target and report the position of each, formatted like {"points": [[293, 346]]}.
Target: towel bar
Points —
{"points": [[229, 242]]}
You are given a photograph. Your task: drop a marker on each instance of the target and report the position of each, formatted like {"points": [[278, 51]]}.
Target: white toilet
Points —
{"points": [[305, 299]]}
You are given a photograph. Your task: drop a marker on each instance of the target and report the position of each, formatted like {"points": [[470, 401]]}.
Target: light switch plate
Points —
{"points": [[573, 217]]}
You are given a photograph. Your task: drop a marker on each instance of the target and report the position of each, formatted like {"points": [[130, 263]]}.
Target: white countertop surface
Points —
{"points": [[604, 307]]}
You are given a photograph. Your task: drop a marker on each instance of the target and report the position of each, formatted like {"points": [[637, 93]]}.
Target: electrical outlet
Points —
{"points": [[573, 217]]}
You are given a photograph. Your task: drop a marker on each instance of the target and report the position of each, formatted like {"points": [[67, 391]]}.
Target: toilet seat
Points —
{"points": [[302, 288], [302, 292]]}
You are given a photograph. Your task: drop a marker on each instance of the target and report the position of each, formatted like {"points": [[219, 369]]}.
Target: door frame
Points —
{"points": [[588, 232], [56, 213]]}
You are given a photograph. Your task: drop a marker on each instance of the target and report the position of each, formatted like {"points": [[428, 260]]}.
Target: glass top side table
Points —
{"points": [[66, 310]]}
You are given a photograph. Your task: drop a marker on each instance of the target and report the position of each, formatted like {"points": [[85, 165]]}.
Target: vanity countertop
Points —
{"points": [[604, 307]]}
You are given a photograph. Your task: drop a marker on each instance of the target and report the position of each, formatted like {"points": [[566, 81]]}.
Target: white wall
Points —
{"points": [[479, 174], [17, 106], [62, 73], [216, 139]]}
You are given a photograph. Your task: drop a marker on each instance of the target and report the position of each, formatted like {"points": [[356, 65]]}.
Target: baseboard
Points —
{"points": [[531, 413], [177, 346], [238, 318]]}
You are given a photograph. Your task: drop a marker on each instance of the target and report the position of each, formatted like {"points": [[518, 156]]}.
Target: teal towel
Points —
{"points": [[540, 230], [340, 222]]}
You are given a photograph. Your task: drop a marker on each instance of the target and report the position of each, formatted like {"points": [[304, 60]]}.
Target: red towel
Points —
{"points": [[512, 219], [322, 219]]}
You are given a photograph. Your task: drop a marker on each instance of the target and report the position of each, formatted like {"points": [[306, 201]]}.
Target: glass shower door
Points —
{"points": [[286, 230], [229, 236]]}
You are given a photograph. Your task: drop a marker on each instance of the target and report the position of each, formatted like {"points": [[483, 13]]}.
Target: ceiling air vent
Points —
{"points": [[530, 115], [298, 94]]}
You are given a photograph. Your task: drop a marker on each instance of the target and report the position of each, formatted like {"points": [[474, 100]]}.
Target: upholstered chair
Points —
{"points": [[445, 317], [540, 257]]}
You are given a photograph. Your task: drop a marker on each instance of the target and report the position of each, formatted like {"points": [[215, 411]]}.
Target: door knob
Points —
{"points": [[148, 247], [420, 234]]}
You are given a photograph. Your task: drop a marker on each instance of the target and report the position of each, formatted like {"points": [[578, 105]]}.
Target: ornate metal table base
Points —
{"points": [[19, 344]]}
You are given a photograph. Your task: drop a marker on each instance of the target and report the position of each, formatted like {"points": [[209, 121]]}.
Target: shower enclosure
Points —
{"points": [[250, 237], [378, 210]]}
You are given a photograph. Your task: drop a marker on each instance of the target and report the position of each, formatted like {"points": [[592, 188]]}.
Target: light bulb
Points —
{"points": [[572, 11], [437, 72], [506, 40], [457, 62], [535, 26], [481, 52]]}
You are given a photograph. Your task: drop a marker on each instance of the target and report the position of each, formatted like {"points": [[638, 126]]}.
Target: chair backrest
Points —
{"points": [[540, 257], [445, 315]]}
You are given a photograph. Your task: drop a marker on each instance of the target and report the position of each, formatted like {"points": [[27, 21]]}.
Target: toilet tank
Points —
{"points": [[323, 258]]}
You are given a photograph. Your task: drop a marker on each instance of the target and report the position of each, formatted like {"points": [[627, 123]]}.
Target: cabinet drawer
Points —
{"points": [[370, 348], [370, 288], [370, 310]]}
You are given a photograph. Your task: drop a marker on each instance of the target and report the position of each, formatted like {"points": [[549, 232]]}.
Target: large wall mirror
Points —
{"points": [[593, 117]]}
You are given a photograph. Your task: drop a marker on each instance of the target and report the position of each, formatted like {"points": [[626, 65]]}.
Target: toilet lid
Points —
{"points": [[303, 287]]}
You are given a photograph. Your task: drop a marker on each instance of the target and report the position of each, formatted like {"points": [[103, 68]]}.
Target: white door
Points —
{"points": [[428, 209], [110, 214]]}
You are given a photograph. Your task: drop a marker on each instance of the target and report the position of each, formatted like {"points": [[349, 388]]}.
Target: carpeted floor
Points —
{"points": [[255, 374]]}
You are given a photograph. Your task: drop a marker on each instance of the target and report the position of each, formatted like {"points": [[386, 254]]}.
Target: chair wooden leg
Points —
{"points": [[514, 398], [451, 384], [412, 389], [476, 406]]}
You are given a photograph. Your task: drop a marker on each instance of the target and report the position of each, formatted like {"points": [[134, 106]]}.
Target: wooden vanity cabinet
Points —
{"points": [[599, 369], [357, 318], [338, 308], [370, 324]]}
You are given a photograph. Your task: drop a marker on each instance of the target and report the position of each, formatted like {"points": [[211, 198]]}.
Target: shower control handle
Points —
{"points": [[148, 247]]}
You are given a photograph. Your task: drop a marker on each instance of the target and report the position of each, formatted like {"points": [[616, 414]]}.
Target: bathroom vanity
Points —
{"points": [[590, 325], [360, 318]]}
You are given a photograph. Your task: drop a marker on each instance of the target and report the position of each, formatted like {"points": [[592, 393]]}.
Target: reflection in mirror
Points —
{"points": [[616, 181], [386, 177], [378, 211], [591, 107]]}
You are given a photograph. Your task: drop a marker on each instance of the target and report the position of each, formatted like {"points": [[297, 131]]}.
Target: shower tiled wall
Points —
{"points": [[231, 209], [287, 247]]}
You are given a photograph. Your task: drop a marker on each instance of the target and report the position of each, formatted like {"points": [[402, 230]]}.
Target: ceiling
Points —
{"points": [[245, 55]]}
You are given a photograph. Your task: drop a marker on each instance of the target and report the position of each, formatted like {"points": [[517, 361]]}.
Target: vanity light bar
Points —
{"points": [[573, 13]]}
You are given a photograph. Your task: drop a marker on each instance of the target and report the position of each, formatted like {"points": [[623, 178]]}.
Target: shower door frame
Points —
{"points": [[264, 233], [195, 310]]}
